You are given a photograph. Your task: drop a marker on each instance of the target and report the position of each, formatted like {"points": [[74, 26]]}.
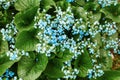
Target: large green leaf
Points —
{"points": [[83, 63], [105, 59], [26, 40], [65, 56], [114, 36], [5, 63], [3, 45], [63, 4], [53, 69], [24, 20], [21, 5], [80, 2], [29, 68], [47, 4], [92, 6], [110, 75], [112, 12], [95, 17], [79, 12], [97, 39]]}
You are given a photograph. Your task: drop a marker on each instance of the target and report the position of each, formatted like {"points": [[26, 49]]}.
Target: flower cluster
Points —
{"points": [[14, 54], [8, 34], [105, 3], [6, 4], [63, 32], [69, 72], [108, 28], [95, 72], [8, 75], [60, 31]]}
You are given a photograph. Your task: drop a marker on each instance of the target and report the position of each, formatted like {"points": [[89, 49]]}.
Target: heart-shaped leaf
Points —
{"points": [[53, 69], [22, 5], [110, 75], [24, 20], [112, 12], [3, 45], [65, 56], [79, 12], [30, 68], [26, 40], [105, 59], [47, 4], [83, 63], [5, 63]]}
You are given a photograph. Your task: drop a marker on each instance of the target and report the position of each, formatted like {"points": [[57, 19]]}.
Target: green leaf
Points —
{"points": [[29, 68], [53, 69], [26, 40], [79, 12], [47, 4], [105, 59], [80, 2], [95, 17], [5, 63], [110, 75], [112, 12], [24, 20], [66, 55], [92, 6], [83, 63], [63, 4], [114, 36], [22, 5], [97, 39], [3, 45]]}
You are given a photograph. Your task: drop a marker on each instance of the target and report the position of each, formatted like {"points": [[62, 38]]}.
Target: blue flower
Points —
{"points": [[14, 56], [11, 74], [70, 0], [0, 78]]}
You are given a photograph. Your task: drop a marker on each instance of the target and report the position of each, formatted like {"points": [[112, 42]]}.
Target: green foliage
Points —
{"points": [[24, 19], [83, 63], [53, 69], [63, 4], [26, 40], [47, 4], [5, 63], [110, 75], [112, 13], [64, 56], [105, 60], [22, 5], [29, 68], [3, 45], [95, 17], [80, 2], [80, 12], [97, 39]]}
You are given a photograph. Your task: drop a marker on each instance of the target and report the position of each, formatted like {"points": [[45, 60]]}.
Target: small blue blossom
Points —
{"points": [[14, 56], [70, 0], [105, 3], [6, 4], [0, 78], [8, 74]]}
